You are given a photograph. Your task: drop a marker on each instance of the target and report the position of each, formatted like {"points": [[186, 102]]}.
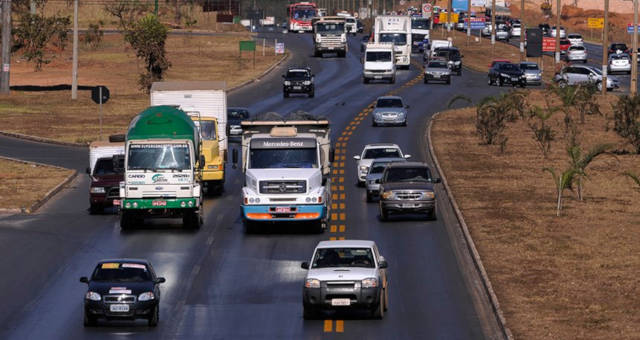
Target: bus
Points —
{"points": [[299, 16]]}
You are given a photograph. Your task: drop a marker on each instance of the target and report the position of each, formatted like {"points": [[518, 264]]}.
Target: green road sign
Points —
{"points": [[247, 45]]}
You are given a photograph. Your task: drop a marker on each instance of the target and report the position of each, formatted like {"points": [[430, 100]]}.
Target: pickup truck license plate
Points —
{"points": [[514, 79], [119, 308], [159, 203], [297, 87], [283, 209], [436, 76], [330, 47], [340, 302], [408, 205]]}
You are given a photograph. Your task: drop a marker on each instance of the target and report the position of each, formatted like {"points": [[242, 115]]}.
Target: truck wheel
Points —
{"points": [[309, 313], [191, 219], [126, 220], [155, 317], [95, 209], [89, 320], [384, 214], [249, 226], [392, 80], [319, 227], [285, 94], [378, 311], [365, 80]]}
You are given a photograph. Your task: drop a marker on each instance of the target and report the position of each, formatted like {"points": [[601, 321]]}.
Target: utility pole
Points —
{"points": [[493, 27], [556, 60], [522, 31], [605, 42], [32, 7], [74, 71], [6, 43], [449, 10], [468, 22], [634, 53]]}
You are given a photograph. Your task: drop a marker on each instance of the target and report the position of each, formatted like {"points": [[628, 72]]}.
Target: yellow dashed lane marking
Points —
{"points": [[333, 228], [332, 238], [328, 326], [342, 228], [339, 326]]}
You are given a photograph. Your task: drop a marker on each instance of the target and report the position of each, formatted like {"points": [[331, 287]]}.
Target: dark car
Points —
{"points": [[452, 56], [235, 115], [407, 188], [360, 26], [545, 29], [122, 289], [507, 73], [104, 190], [364, 42], [618, 48], [298, 80]]}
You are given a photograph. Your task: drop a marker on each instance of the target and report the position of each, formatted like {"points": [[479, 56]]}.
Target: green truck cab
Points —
{"points": [[163, 168]]}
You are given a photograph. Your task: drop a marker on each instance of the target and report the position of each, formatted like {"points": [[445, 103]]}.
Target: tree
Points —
{"points": [[126, 11], [626, 116], [35, 32], [580, 161], [492, 115], [147, 36], [562, 183], [542, 133]]}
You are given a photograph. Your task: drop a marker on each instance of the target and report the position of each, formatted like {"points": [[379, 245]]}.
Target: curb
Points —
{"points": [[486, 282], [39, 203]]}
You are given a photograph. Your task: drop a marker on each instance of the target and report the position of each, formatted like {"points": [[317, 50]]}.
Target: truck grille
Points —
{"points": [[331, 40], [408, 195], [283, 187]]}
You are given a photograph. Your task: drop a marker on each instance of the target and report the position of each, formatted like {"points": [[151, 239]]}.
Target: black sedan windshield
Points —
{"points": [[121, 272], [343, 257]]}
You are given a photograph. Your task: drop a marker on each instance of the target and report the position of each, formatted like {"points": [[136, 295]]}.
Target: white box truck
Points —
{"points": [[379, 63], [395, 29], [206, 103]]}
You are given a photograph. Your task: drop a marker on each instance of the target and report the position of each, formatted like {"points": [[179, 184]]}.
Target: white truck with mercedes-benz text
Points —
{"points": [[395, 29]]}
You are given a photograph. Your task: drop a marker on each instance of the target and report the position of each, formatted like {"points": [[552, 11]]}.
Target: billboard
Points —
{"points": [[460, 5]]}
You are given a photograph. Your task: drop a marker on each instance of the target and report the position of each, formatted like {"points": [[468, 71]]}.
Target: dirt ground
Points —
{"points": [[52, 114], [569, 277], [22, 184]]}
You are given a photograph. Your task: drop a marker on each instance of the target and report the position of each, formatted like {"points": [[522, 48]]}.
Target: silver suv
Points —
{"points": [[345, 274], [583, 74]]}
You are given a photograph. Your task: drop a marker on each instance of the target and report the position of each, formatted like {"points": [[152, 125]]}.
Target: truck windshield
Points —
{"points": [[159, 157], [304, 14], [330, 28], [207, 129], [395, 38], [421, 24], [343, 257], [379, 56], [283, 158]]}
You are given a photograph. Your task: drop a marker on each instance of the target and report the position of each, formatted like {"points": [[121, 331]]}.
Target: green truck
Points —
{"points": [[163, 168]]}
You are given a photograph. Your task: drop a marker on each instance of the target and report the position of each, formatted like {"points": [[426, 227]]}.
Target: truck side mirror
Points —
{"points": [[304, 265], [201, 162], [332, 155], [234, 158], [88, 170], [436, 180], [84, 279]]}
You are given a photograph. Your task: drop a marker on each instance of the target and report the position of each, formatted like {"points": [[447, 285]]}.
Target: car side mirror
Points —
{"points": [[88, 170], [407, 106], [84, 279], [356, 157], [160, 280], [383, 264], [304, 265], [332, 155], [234, 158], [436, 180], [377, 181], [407, 156]]}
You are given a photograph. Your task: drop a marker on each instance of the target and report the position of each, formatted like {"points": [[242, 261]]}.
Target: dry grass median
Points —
{"points": [[21, 185], [52, 114], [569, 277]]}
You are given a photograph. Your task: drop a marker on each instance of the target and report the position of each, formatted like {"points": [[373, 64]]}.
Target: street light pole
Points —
{"points": [[522, 31], [493, 27], [605, 42], [556, 60], [468, 22], [74, 68], [634, 53], [6, 42]]}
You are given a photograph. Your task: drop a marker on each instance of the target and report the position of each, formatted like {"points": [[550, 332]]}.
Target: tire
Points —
{"points": [[285, 94], [425, 80], [249, 226], [433, 215], [191, 220], [460, 72], [599, 86], [392, 80], [155, 317], [500, 82], [312, 94], [489, 81], [562, 83], [89, 321], [95, 209], [386, 298], [384, 214], [373, 123], [449, 81], [378, 311], [365, 80], [309, 313], [369, 197], [126, 220]]}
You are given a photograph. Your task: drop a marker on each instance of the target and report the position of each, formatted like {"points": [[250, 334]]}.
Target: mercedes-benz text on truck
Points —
{"points": [[162, 168], [395, 29]]}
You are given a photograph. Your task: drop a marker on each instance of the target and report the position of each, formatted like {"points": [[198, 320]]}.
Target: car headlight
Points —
{"points": [[457, 62], [93, 296], [312, 283], [386, 195], [146, 296], [286, 82], [370, 282], [504, 75], [364, 168], [428, 195], [307, 82], [97, 190]]}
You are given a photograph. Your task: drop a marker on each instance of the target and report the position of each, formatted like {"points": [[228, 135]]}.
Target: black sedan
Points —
{"points": [[507, 73], [122, 289]]}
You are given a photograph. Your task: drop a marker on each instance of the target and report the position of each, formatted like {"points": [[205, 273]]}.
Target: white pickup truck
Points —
{"points": [[286, 165]]}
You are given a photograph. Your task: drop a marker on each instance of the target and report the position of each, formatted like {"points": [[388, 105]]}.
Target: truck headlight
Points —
{"points": [[429, 195], [146, 296], [343, 38], [370, 282], [97, 190], [93, 296], [306, 82], [318, 38], [387, 195], [312, 283], [286, 82]]}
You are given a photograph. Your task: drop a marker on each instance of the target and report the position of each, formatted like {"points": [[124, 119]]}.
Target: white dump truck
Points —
{"points": [[286, 164], [330, 35], [395, 29], [379, 63]]}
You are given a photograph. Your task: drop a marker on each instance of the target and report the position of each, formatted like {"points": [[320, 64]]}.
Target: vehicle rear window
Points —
{"points": [[237, 114], [437, 64], [381, 153], [297, 74], [121, 272], [343, 257]]}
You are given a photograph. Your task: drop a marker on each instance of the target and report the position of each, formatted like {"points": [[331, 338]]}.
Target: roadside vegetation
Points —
{"points": [[21, 184], [551, 203]]}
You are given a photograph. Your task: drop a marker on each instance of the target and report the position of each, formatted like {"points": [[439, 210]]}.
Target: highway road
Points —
{"points": [[225, 284]]}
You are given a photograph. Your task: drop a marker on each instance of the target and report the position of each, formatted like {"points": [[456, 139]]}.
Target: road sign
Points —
{"points": [[460, 5], [595, 23], [426, 10], [280, 48], [630, 28], [443, 17], [247, 45], [98, 93], [548, 44]]}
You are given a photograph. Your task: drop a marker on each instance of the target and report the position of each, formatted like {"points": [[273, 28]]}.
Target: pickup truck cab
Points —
{"points": [[372, 152], [407, 188]]}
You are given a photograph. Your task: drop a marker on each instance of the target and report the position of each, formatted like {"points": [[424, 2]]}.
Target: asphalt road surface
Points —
{"points": [[225, 284]]}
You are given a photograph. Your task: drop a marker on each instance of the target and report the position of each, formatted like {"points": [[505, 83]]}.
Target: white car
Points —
{"points": [[516, 30], [553, 30], [373, 151], [575, 39], [577, 53], [345, 274], [502, 33], [619, 63]]}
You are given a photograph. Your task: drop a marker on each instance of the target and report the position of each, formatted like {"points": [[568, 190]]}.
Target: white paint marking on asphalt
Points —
{"points": [[209, 240]]}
